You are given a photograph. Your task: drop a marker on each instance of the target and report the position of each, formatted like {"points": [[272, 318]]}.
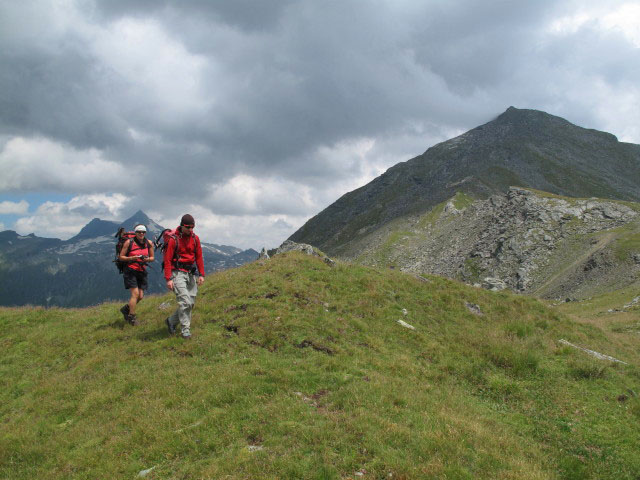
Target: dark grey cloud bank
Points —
{"points": [[257, 114]]}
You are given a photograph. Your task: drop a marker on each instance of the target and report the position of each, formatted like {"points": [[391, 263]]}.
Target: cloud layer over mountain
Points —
{"points": [[255, 115]]}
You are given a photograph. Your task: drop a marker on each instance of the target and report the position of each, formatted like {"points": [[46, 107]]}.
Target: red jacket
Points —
{"points": [[189, 252]]}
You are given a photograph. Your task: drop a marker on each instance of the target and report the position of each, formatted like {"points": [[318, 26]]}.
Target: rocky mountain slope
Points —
{"points": [[528, 241], [525, 148], [80, 271]]}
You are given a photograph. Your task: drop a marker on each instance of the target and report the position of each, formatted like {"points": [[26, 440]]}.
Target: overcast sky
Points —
{"points": [[254, 115]]}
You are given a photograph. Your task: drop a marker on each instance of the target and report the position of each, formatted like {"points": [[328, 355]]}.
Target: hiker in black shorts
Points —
{"points": [[136, 253]]}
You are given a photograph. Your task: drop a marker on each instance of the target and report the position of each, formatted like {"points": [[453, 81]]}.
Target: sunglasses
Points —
{"points": [[188, 226], [140, 231]]}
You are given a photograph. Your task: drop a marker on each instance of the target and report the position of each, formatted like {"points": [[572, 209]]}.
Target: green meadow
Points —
{"points": [[301, 370]]}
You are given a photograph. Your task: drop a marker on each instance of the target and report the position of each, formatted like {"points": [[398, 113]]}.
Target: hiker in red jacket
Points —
{"points": [[136, 252], [184, 272]]}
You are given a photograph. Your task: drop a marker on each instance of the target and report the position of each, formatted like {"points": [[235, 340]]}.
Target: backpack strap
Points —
{"points": [[128, 242], [130, 245], [149, 244], [175, 257]]}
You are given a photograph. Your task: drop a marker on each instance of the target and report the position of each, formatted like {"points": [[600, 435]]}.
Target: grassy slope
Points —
{"points": [[401, 237], [308, 363]]}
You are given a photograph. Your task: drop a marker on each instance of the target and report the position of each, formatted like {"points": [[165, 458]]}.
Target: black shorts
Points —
{"points": [[134, 279]]}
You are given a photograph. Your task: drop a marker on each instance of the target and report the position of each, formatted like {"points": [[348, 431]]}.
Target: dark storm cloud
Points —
{"points": [[189, 96], [472, 45], [244, 14], [326, 75], [57, 94]]}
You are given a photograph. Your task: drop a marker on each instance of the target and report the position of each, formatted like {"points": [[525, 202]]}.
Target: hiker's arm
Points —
{"points": [[150, 258], [199, 261], [125, 247]]}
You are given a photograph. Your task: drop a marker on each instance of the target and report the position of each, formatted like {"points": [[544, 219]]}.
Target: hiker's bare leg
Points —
{"points": [[140, 294], [133, 300]]}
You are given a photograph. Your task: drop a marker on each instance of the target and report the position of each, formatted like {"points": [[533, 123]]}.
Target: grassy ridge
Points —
{"points": [[299, 370]]}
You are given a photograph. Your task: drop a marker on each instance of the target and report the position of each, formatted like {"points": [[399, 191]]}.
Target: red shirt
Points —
{"points": [[189, 252], [136, 250]]}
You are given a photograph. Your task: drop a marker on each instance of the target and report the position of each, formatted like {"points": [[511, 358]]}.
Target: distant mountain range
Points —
{"points": [[80, 271], [527, 201]]}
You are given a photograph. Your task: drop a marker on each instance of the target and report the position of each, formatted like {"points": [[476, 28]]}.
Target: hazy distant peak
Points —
{"points": [[138, 217], [96, 228]]}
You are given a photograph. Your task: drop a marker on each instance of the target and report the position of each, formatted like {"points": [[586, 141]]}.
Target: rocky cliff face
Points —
{"points": [[529, 241]]}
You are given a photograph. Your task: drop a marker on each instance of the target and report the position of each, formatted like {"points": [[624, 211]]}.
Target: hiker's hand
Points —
{"points": [[170, 284], [200, 280]]}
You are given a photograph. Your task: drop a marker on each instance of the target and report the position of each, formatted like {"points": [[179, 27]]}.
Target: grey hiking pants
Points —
{"points": [[185, 287]]}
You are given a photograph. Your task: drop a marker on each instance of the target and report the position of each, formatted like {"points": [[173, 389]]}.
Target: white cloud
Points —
{"points": [[626, 19], [245, 194], [64, 220], [156, 68], [623, 18], [14, 208], [569, 24], [356, 162], [307, 185], [36, 164], [614, 108], [246, 231]]}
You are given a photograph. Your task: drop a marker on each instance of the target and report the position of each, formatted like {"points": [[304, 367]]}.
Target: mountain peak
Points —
{"points": [[99, 228], [96, 228], [138, 217], [515, 115], [142, 218], [521, 147], [536, 122]]}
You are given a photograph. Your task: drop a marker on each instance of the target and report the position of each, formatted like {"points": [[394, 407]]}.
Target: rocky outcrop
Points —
{"points": [[494, 284], [512, 236], [289, 246], [523, 240]]}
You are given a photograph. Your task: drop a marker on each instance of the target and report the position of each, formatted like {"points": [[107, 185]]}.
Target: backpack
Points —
{"points": [[162, 242], [122, 237]]}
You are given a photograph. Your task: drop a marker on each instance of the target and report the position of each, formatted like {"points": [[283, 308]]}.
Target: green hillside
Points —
{"points": [[300, 370]]}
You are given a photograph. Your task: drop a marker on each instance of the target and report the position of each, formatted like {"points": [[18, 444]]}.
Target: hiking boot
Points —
{"points": [[186, 336], [171, 328], [125, 311], [132, 319]]}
